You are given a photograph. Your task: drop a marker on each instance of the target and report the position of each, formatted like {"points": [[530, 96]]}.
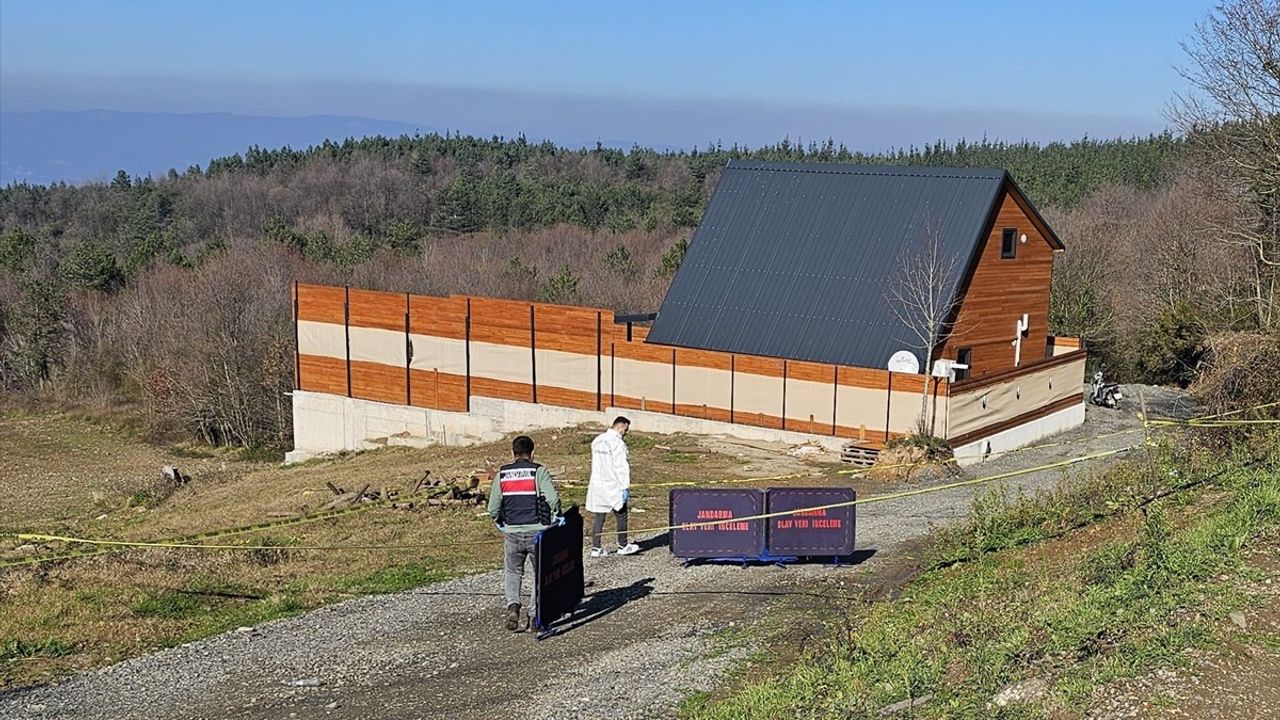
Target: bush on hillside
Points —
{"points": [[1240, 370]]}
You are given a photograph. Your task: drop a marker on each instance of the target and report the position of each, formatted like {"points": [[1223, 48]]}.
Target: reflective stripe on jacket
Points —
{"points": [[518, 483]]}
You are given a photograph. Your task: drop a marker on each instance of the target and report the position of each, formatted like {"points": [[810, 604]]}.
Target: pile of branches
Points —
{"points": [[1240, 370], [426, 491]]}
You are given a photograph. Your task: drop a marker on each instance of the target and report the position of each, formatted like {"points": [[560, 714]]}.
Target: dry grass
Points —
{"points": [[69, 475]]}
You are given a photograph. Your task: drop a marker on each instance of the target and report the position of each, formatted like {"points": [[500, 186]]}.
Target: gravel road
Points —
{"points": [[651, 631]]}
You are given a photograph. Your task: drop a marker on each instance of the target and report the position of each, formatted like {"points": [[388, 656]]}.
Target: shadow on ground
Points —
{"points": [[602, 603]]}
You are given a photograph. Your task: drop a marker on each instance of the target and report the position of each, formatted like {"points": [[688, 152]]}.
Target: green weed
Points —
{"points": [[19, 649], [397, 578], [990, 613]]}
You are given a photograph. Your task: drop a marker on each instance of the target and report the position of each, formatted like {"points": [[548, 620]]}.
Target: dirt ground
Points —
{"points": [[650, 633]]}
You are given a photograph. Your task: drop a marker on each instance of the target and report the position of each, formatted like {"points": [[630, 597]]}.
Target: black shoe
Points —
{"points": [[513, 617]]}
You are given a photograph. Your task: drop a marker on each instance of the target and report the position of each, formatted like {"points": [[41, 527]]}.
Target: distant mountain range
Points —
{"points": [[49, 146]]}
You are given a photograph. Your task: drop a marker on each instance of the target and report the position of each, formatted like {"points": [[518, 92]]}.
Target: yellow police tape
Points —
{"points": [[188, 542], [892, 466], [1235, 412], [106, 547], [1211, 423], [895, 496], [43, 537]]}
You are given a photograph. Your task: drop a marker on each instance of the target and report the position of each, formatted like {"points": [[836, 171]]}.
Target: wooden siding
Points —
{"points": [[373, 309], [322, 374], [354, 344], [1000, 291], [438, 390], [321, 303], [376, 381], [438, 316]]}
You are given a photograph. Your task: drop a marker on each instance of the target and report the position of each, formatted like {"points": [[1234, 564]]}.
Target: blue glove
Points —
{"points": [[626, 496], [558, 521]]}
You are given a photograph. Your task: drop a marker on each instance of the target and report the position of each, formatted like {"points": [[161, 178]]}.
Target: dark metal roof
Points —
{"points": [[795, 260]]}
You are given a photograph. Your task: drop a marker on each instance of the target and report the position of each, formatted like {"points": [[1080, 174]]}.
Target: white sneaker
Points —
{"points": [[598, 552], [629, 549]]}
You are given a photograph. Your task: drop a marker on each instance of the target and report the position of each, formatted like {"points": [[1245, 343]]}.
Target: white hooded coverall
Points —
{"points": [[610, 472]]}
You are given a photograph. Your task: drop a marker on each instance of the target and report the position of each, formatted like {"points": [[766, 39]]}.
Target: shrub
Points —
{"points": [[1240, 370]]}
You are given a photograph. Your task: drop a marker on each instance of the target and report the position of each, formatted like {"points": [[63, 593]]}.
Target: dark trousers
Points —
{"points": [[597, 526]]}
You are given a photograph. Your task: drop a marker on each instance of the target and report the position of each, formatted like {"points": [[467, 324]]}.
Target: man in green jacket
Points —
{"points": [[523, 501]]}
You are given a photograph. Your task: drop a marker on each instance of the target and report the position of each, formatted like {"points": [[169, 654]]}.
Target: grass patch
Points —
{"points": [[209, 605], [397, 578], [19, 649], [171, 605], [680, 458], [192, 452], [261, 455], [1076, 612], [637, 442]]}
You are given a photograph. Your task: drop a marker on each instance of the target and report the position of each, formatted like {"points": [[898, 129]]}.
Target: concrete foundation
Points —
{"points": [[1020, 436], [326, 424]]}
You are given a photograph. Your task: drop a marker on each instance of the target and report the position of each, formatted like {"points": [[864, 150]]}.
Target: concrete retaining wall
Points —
{"points": [[324, 423]]}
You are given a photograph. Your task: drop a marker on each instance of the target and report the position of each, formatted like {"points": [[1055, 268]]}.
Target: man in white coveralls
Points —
{"points": [[610, 486]]}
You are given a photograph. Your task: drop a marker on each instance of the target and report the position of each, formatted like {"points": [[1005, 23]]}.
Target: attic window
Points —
{"points": [[964, 356], [1009, 243]]}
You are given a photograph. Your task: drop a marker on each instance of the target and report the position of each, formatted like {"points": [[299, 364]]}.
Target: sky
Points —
{"points": [[664, 74]]}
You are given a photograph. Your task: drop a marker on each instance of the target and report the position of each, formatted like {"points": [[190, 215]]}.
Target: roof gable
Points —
{"points": [[795, 260]]}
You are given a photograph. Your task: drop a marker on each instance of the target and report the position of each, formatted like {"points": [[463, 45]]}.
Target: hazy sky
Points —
{"points": [[661, 73]]}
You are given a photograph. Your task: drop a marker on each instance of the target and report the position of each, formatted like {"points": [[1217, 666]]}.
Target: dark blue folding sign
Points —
{"points": [[557, 570], [704, 525], [825, 532]]}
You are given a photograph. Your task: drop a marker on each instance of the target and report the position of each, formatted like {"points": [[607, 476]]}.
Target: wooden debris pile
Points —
{"points": [[426, 491], [454, 491]]}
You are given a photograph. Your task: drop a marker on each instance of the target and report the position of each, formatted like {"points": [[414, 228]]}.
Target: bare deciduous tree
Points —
{"points": [[1232, 115], [922, 296]]}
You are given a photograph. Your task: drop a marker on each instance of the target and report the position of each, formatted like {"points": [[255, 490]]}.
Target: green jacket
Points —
{"points": [[545, 488]]}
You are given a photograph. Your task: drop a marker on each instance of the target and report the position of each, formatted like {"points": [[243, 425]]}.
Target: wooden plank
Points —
{"points": [[647, 404], [642, 351], [441, 391], [703, 359], [567, 329], [503, 322], [813, 427], [704, 412], [867, 378], [375, 381], [566, 397], [755, 365], [374, 309], [874, 436], [501, 389], [321, 303], [813, 372], [317, 373], [758, 420], [438, 316]]}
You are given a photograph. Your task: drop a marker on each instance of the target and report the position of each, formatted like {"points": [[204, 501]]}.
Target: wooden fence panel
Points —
{"points": [[438, 368], [703, 384], [320, 331], [810, 397]]}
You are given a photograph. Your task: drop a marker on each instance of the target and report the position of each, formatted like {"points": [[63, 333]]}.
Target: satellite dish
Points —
{"points": [[904, 361]]}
